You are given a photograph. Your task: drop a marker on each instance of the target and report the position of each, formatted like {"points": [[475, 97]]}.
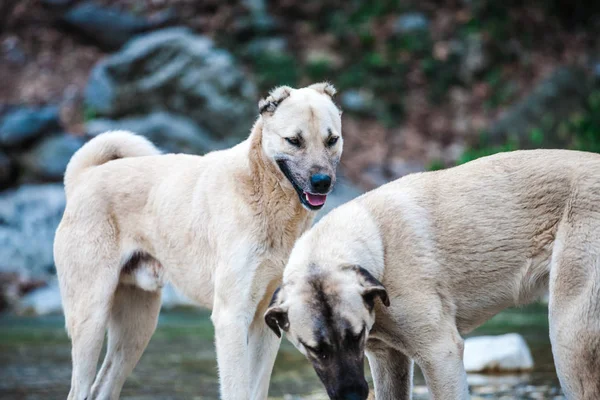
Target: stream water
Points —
{"points": [[179, 362]]}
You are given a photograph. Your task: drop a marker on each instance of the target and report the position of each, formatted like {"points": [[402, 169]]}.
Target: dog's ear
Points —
{"points": [[371, 288], [276, 316], [268, 105], [325, 88]]}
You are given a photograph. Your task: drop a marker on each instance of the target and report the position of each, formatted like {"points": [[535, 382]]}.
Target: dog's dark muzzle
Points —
{"points": [[343, 377], [282, 164], [355, 391]]}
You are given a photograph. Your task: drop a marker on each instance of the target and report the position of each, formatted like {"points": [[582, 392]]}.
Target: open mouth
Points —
{"points": [[309, 200]]}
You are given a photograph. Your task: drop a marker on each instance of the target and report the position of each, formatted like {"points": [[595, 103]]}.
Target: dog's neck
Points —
{"points": [[272, 197]]}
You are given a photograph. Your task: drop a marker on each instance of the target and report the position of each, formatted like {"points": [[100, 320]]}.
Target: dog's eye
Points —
{"points": [[332, 140], [294, 141], [319, 353]]}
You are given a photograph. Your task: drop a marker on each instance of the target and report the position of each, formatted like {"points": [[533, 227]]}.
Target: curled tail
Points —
{"points": [[104, 148]]}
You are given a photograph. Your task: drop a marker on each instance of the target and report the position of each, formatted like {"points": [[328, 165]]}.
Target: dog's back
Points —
{"points": [[492, 220]]}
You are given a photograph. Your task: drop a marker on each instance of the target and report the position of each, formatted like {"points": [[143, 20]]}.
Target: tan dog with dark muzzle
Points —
{"points": [[219, 227], [444, 252]]}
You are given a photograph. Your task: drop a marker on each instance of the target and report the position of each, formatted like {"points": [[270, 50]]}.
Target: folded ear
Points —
{"points": [[325, 88], [276, 316], [268, 105], [371, 288]]}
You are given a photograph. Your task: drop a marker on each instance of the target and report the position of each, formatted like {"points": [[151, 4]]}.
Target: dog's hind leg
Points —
{"points": [[132, 322], [575, 308], [88, 266], [87, 291]]}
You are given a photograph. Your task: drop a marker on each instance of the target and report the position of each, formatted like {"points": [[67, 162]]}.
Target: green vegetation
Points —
{"points": [[89, 113], [276, 69], [579, 132], [586, 127]]}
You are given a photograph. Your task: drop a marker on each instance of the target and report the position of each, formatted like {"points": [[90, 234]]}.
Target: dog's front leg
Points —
{"points": [[392, 371], [263, 350], [442, 365], [231, 338], [246, 348]]}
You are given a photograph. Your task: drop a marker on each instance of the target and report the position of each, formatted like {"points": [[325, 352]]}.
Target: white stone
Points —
{"points": [[497, 353], [42, 301]]}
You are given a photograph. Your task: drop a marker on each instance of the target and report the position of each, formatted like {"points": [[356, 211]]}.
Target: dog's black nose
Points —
{"points": [[320, 183], [356, 394], [355, 391]]}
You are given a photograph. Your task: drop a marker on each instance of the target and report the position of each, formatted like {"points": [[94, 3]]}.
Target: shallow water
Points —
{"points": [[179, 362]]}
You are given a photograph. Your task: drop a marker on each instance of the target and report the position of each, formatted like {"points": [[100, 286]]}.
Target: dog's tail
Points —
{"points": [[104, 148]]}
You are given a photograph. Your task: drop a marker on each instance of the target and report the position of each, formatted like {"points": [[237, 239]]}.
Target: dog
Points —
{"points": [[218, 227], [403, 271]]}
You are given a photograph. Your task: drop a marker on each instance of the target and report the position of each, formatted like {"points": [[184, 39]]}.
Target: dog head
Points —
{"points": [[302, 135], [328, 316]]}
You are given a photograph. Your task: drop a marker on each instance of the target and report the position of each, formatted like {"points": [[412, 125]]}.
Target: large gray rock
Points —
{"points": [[29, 216], [24, 124], [110, 27], [171, 133], [177, 71], [48, 159]]}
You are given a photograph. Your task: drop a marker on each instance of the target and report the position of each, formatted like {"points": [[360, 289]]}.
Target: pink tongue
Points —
{"points": [[315, 199]]}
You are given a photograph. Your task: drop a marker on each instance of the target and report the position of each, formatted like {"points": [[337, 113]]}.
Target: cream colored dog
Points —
{"points": [[219, 227], [445, 251]]}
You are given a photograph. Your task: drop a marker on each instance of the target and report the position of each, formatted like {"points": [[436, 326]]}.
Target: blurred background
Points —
{"points": [[423, 84]]}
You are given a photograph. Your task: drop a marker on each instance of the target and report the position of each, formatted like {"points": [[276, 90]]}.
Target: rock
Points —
{"points": [[110, 27], [554, 100], [24, 124], [177, 71], [411, 23], [497, 353], [173, 134], [257, 22], [48, 159], [266, 45], [42, 301], [474, 58], [358, 101], [29, 217]]}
